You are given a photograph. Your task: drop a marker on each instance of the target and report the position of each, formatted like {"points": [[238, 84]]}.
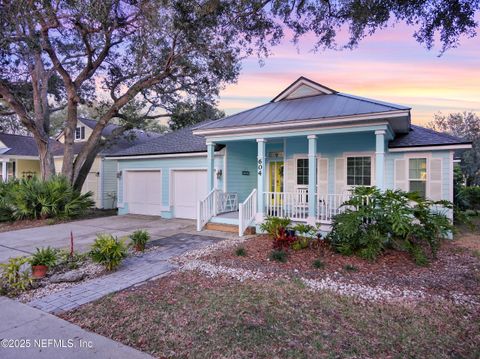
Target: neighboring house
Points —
{"points": [[101, 180], [19, 156], [296, 156]]}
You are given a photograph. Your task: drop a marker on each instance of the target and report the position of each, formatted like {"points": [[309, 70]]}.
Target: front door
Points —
{"points": [[276, 177]]}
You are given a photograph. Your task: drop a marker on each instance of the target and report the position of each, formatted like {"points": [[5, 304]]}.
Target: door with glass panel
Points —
{"points": [[275, 185]]}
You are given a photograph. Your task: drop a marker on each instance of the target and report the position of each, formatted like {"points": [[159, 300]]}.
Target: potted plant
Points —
{"points": [[139, 239], [42, 260]]}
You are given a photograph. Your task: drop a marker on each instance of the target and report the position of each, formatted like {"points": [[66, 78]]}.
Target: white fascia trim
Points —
{"points": [[14, 157], [170, 155], [297, 124], [304, 82], [429, 148]]}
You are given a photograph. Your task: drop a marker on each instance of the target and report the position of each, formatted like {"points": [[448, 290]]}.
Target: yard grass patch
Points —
{"points": [[189, 315]]}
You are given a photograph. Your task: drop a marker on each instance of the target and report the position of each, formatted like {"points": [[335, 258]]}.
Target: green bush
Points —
{"points": [[273, 225], [44, 257], [468, 198], [33, 199], [15, 277], [241, 252], [374, 220], [278, 255], [317, 263], [139, 239], [108, 251]]}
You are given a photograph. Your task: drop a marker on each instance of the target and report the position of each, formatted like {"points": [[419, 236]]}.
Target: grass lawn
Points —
{"points": [[190, 315]]}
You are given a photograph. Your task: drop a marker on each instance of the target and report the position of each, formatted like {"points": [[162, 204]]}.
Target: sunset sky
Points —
{"points": [[389, 66]]}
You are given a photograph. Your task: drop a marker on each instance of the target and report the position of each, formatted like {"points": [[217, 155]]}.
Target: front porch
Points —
{"points": [[302, 177]]}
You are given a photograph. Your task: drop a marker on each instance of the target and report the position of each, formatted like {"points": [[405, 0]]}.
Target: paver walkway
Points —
{"points": [[133, 270], [46, 336]]}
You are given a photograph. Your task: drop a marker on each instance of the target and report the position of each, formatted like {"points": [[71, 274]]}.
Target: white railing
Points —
{"points": [[292, 205], [226, 202], [329, 205], [246, 212], [206, 209]]}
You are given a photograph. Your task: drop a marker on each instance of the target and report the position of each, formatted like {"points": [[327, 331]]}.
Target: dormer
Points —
{"points": [[303, 87]]}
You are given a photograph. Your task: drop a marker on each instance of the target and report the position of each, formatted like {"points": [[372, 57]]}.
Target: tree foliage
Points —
{"points": [[171, 55], [465, 125]]}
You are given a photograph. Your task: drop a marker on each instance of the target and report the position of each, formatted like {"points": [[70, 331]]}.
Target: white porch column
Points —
{"points": [[261, 168], [312, 179], [380, 159], [211, 165], [4, 169]]}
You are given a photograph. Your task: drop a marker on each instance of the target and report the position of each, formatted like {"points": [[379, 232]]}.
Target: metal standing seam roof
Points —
{"points": [[305, 108]]}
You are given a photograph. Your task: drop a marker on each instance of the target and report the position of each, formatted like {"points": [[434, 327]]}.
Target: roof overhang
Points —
{"points": [[394, 118], [458, 146], [165, 155]]}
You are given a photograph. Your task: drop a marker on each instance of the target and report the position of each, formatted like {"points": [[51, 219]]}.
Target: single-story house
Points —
{"points": [[296, 156]]}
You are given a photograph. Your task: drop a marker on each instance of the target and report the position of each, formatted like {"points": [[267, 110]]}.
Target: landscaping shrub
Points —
{"points": [[139, 239], [279, 255], [305, 233], [317, 263], [273, 225], [33, 199], [15, 276], [241, 252], [391, 218], [108, 251], [44, 257], [350, 268], [468, 198]]}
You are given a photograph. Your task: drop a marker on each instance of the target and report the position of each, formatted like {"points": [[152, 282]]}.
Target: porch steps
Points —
{"points": [[229, 228]]}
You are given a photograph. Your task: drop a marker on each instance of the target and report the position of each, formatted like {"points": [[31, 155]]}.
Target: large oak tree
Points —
{"points": [[59, 54]]}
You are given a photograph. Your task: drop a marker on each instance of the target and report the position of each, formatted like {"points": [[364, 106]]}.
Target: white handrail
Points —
{"points": [[206, 209], [246, 212]]}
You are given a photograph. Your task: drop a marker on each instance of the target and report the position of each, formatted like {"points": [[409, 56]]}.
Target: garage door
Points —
{"points": [[144, 192], [188, 188]]}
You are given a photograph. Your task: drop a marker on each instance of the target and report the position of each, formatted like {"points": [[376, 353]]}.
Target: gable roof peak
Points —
{"points": [[303, 87]]}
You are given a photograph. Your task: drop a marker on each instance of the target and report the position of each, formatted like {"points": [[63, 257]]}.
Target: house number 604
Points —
{"points": [[260, 167]]}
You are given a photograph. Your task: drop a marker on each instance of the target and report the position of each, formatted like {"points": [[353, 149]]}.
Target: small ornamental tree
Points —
{"points": [[374, 220]]}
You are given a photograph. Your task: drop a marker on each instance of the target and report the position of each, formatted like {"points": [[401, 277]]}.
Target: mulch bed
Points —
{"points": [[33, 223], [455, 269]]}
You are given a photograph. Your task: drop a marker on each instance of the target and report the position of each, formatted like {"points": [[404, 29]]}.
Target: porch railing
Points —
{"points": [[226, 202], [246, 212], [206, 209], [294, 205], [216, 202]]}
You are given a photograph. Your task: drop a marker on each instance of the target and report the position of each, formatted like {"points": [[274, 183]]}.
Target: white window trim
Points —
{"points": [[80, 133], [297, 157], [428, 157], [372, 166]]}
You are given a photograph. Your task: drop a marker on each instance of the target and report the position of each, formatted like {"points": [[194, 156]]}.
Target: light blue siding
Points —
{"points": [[165, 165], [241, 156], [109, 183]]}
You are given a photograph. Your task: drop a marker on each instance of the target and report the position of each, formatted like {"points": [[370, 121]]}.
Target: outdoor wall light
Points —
{"points": [[119, 174], [219, 174]]}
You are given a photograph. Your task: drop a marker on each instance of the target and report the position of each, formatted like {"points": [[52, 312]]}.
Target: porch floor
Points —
{"points": [[226, 218], [229, 215]]}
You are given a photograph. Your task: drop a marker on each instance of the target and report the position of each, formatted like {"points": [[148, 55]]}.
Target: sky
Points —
{"points": [[389, 66]]}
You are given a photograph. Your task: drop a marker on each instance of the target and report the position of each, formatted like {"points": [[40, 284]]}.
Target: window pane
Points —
{"points": [[420, 187], [302, 171], [359, 171], [417, 168]]}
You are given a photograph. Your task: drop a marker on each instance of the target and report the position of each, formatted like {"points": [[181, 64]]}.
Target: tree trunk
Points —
{"points": [[85, 169], [47, 164], [69, 138]]}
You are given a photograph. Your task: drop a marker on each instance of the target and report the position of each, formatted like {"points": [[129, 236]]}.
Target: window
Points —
{"points": [[80, 133], [302, 172], [417, 176], [359, 171]]}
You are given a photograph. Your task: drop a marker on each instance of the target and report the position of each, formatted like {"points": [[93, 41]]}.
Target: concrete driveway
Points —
{"points": [[24, 241]]}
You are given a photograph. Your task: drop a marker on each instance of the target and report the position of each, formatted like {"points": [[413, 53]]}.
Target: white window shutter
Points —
{"points": [[322, 176], [340, 175], [435, 179], [401, 175]]}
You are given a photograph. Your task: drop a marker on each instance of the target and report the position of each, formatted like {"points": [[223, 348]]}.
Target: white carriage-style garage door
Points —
{"points": [[189, 186], [144, 192]]}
